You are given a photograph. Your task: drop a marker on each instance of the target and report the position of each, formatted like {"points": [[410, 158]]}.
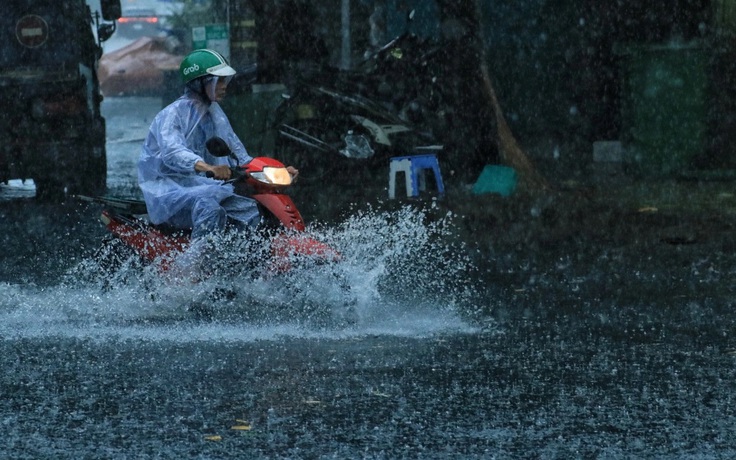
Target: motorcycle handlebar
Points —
{"points": [[237, 174]]}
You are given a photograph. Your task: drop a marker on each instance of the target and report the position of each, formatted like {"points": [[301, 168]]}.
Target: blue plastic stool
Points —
{"points": [[414, 168]]}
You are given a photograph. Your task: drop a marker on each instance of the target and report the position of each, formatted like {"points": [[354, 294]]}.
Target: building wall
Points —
{"points": [[555, 64]]}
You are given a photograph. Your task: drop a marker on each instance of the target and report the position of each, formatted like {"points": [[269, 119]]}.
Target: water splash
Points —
{"points": [[398, 274]]}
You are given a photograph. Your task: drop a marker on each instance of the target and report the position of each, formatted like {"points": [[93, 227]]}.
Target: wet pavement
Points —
{"points": [[612, 342], [526, 391]]}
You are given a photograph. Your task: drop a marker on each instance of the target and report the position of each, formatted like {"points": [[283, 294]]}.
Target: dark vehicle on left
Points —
{"points": [[51, 128]]}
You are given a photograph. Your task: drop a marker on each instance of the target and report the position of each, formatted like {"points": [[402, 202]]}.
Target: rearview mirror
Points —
{"points": [[218, 147], [105, 31]]}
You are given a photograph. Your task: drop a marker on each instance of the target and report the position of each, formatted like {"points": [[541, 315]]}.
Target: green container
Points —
{"points": [[663, 107], [496, 179]]}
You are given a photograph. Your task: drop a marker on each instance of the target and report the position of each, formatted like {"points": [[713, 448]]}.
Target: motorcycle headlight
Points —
{"points": [[273, 176]]}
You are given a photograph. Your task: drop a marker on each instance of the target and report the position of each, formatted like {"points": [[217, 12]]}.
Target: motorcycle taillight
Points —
{"points": [[139, 19], [69, 104]]}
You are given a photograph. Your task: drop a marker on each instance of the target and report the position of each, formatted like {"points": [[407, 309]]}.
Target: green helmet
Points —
{"points": [[204, 62]]}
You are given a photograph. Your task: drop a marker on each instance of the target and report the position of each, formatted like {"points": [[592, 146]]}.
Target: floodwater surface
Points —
{"points": [[440, 361]]}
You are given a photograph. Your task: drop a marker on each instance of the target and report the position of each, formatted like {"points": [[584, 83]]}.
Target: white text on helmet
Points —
{"points": [[191, 69]]}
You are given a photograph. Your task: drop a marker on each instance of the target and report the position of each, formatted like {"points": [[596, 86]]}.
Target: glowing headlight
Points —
{"points": [[274, 176]]}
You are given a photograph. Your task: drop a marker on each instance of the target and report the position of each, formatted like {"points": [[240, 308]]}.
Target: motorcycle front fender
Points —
{"points": [[283, 208]]}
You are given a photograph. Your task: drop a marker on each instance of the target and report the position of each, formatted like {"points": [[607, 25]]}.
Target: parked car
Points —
{"points": [[146, 18], [139, 22]]}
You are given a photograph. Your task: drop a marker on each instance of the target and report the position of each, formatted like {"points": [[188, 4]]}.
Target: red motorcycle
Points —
{"points": [[263, 179]]}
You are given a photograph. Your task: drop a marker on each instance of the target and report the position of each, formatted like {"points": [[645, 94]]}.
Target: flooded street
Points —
{"points": [[546, 351], [526, 392]]}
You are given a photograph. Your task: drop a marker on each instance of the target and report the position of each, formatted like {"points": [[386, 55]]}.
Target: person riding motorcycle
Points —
{"points": [[174, 163]]}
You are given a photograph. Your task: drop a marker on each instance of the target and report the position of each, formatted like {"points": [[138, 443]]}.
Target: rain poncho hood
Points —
{"points": [[175, 142]]}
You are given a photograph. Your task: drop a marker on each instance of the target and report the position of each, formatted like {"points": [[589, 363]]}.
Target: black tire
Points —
{"points": [[93, 180], [49, 189], [90, 179]]}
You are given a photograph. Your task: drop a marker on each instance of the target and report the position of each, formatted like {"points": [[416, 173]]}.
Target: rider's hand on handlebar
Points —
{"points": [[221, 172], [293, 171]]}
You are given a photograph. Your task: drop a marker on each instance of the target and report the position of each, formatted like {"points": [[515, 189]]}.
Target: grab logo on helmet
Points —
{"points": [[190, 69]]}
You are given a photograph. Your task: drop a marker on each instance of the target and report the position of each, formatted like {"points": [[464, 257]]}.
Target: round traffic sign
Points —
{"points": [[32, 31]]}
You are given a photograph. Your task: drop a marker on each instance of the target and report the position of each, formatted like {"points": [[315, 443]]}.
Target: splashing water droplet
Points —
{"points": [[398, 273]]}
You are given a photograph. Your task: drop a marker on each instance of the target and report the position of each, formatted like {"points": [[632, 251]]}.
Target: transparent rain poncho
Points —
{"points": [[174, 193]]}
